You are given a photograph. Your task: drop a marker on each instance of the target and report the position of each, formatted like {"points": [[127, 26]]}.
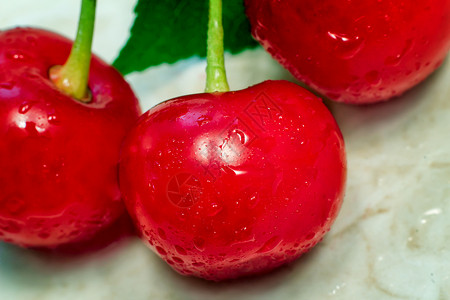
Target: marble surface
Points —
{"points": [[390, 241]]}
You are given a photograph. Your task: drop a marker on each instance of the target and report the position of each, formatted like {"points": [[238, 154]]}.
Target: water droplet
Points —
{"points": [[52, 119], [178, 260], [310, 236], [14, 205], [161, 251], [181, 215], [25, 107], [199, 243], [213, 209], [31, 40], [7, 85], [203, 120], [260, 34], [373, 77], [395, 60], [170, 262], [253, 200], [180, 250], [186, 271], [242, 137], [291, 252], [270, 244], [16, 55], [345, 46], [227, 170], [162, 233], [10, 226]]}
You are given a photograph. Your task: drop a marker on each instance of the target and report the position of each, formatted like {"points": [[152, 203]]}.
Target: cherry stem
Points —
{"points": [[72, 77], [216, 78]]}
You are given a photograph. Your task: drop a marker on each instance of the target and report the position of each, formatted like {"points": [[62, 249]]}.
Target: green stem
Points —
{"points": [[72, 77], [216, 78]]}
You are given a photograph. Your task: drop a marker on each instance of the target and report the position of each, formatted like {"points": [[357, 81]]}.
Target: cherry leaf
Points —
{"points": [[166, 31]]}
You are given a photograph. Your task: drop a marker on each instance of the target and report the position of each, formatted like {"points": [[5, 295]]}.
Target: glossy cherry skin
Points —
{"points": [[231, 184], [58, 156], [354, 51]]}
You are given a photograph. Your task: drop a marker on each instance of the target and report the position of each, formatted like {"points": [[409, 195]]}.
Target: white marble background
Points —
{"points": [[390, 241]]}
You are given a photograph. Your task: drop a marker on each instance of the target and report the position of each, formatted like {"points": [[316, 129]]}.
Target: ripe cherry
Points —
{"points": [[227, 184], [58, 155], [354, 51]]}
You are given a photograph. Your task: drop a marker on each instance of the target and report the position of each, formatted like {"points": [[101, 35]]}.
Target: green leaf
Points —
{"points": [[166, 31]]}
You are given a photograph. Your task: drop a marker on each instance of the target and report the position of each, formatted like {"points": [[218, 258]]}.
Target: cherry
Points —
{"points": [[354, 51], [228, 184], [58, 155]]}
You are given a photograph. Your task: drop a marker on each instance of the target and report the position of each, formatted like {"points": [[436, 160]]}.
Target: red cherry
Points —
{"points": [[354, 51], [58, 156], [222, 185]]}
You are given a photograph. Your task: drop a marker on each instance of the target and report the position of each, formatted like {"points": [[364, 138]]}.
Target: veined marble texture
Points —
{"points": [[390, 241]]}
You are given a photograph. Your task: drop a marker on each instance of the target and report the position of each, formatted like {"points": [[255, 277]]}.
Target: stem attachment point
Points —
{"points": [[72, 77]]}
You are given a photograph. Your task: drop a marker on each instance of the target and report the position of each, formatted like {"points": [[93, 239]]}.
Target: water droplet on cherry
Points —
{"points": [[373, 77], [31, 40], [16, 55], [395, 60], [181, 215], [7, 85], [310, 236], [198, 264], [180, 250], [14, 205], [291, 252], [199, 243], [253, 200], [345, 46], [178, 260], [162, 233], [161, 251], [25, 107], [203, 120], [10, 226], [270, 244], [53, 119], [213, 209]]}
